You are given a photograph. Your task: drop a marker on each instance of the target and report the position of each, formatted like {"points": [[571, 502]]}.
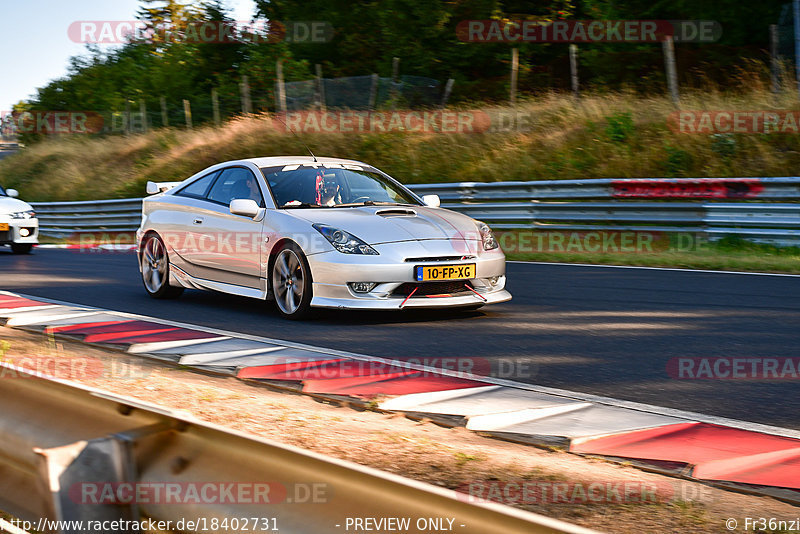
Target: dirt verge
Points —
{"points": [[590, 492]]}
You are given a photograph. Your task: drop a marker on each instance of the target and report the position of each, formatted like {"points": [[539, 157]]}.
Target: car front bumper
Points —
{"points": [[16, 227], [333, 272]]}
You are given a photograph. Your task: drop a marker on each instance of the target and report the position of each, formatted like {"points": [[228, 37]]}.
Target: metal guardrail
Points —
{"points": [[570, 206], [57, 437], [787, 188], [61, 219]]}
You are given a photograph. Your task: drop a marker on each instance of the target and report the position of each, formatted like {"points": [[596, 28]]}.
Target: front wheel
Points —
{"points": [[155, 269], [291, 282], [21, 248]]}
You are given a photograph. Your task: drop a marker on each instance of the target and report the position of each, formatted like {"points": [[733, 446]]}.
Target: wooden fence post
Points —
{"points": [[164, 116], [573, 69], [143, 113], [281, 95], [373, 91], [672, 74], [320, 87], [244, 88], [775, 72], [215, 106], [514, 73], [187, 112], [448, 88]]}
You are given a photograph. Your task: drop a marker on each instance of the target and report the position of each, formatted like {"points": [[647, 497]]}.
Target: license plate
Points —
{"points": [[445, 272], [3, 227]]}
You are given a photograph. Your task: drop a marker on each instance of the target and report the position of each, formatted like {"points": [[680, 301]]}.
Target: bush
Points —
{"points": [[620, 127], [678, 161], [723, 145]]}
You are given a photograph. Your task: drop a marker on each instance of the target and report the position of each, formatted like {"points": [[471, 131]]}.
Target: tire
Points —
{"points": [[21, 248], [154, 263], [291, 282]]}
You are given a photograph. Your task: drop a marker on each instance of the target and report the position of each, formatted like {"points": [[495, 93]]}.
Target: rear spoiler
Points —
{"points": [[159, 187]]}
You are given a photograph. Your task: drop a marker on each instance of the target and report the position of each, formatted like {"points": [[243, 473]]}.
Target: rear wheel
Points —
{"points": [[155, 269], [291, 282], [21, 248]]}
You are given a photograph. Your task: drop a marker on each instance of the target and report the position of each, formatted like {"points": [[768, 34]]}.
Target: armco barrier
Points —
{"points": [[59, 437], [683, 205], [65, 218]]}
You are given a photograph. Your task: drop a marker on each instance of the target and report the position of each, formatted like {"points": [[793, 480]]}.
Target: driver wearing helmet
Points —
{"points": [[328, 190]]}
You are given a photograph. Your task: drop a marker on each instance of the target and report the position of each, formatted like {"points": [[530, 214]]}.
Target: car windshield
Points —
{"points": [[2, 192], [333, 185]]}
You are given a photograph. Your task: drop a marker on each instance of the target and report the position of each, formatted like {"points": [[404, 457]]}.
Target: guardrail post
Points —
{"points": [[84, 478]]}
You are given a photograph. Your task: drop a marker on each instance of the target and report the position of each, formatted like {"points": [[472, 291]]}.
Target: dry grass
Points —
{"points": [[566, 139]]}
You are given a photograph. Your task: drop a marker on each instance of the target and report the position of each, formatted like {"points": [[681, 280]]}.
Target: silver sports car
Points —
{"points": [[314, 232]]}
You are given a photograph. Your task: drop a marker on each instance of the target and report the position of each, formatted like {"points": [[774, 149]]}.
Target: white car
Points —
{"points": [[315, 232], [19, 226]]}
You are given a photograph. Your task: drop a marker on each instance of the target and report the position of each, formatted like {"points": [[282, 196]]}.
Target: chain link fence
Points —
{"points": [[363, 93]]}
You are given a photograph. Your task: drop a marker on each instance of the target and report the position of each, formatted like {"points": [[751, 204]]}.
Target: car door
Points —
{"points": [[230, 247], [182, 229]]}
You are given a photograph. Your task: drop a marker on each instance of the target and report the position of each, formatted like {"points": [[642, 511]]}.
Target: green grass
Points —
{"points": [[730, 254]]}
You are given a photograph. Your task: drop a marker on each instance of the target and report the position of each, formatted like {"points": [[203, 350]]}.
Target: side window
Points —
{"points": [[199, 187], [236, 182]]}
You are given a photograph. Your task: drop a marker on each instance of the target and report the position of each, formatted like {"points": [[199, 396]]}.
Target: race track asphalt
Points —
{"points": [[604, 331]]}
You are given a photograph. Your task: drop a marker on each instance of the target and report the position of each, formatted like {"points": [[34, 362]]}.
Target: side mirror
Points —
{"points": [[431, 200], [13, 193], [151, 188], [246, 207]]}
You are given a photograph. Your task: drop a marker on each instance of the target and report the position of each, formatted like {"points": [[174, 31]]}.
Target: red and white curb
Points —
{"points": [[718, 450]]}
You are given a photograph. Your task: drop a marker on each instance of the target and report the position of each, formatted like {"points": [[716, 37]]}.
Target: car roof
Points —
{"points": [[292, 160]]}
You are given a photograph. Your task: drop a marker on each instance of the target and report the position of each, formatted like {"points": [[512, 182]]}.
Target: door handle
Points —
{"points": [[198, 221]]}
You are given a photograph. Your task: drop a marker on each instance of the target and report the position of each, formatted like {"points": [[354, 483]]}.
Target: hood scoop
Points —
{"points": [[396, 212]]}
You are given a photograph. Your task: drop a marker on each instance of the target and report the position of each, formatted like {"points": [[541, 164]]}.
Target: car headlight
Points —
{"points": [[30, 214], [487, 236], [344, 242]]}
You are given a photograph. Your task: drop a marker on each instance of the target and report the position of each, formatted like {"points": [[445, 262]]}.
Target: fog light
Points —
{"points": [[362, 287], [24, 232], [493, 280]]}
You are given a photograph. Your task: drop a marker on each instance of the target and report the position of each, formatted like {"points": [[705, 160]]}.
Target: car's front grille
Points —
{"points": [[439, 258], [426, 289], [5, 236]]}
